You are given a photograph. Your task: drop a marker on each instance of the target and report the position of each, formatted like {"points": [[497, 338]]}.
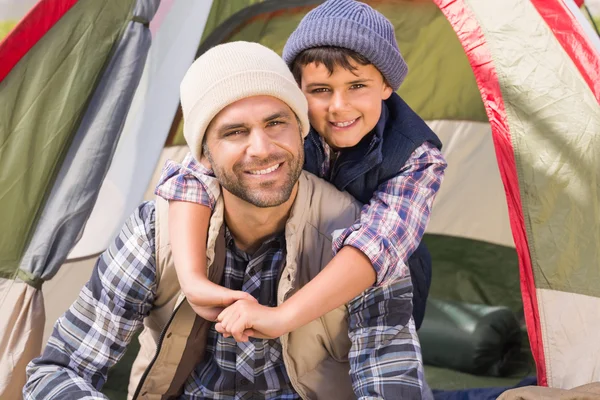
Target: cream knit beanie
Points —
{"points": [[231, 72]]}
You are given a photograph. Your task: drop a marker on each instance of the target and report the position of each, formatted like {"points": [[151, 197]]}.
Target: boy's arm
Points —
{"points": [[385, 356], [94, 333], [389, 230], [375, 250], [192, 192], [392, 225], [332, 287]]}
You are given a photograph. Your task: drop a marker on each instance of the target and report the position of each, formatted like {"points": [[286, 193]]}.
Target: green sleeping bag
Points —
{"points": [[473, 338]]}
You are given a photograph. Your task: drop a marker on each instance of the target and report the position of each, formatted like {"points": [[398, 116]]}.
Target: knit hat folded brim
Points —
{"points": [[235, 87], [231, 72]]}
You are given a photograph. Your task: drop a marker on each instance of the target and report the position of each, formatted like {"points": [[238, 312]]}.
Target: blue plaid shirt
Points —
{"points": [[385, 358]]}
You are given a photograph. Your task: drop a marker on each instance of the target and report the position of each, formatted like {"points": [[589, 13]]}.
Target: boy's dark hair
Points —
{"points": [[331, 57]]}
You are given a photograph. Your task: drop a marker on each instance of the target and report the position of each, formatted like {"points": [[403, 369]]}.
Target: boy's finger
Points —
{"points": [[239, 295], [237, 330], [230, 321], [224, 314], [220, 328]]}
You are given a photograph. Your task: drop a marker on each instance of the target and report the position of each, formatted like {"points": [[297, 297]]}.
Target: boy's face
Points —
{"points": [[346, 105]]}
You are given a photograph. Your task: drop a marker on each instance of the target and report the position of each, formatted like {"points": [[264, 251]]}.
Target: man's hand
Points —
{"points": [[247, 318]]}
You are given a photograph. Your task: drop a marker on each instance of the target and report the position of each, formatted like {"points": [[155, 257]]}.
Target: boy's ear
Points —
{"points": [[386, 92]]}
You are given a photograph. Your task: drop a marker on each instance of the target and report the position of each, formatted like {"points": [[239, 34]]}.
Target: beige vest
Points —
{"points": [[315, 356]]}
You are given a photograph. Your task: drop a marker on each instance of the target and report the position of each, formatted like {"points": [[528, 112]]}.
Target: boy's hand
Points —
{"points": [[209, 299], [246, 318]]}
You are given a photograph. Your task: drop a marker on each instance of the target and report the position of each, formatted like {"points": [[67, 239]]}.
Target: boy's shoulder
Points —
{"points": [[404, 124]]}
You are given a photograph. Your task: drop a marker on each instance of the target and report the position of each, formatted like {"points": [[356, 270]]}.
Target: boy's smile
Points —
{"points": [[343, 106]]}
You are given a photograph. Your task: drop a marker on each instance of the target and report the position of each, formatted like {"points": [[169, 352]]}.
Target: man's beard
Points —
{"points": [[269, 196]]}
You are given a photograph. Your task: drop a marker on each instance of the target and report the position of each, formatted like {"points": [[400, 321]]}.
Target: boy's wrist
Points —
{"points": [[288, 316]]}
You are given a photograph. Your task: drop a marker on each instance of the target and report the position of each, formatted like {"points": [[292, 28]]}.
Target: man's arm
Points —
{"points": [[385, 357], [93, 334]]}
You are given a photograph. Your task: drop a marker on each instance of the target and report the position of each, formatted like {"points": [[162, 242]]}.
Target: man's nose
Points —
{"points": [[259, 143]]}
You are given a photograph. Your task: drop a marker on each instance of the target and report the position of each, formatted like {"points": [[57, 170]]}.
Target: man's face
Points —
{"points": [[343, 106], [255, 149]]}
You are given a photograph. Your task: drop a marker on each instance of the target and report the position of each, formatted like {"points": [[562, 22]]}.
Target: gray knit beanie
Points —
{"points": [[352, 25]]}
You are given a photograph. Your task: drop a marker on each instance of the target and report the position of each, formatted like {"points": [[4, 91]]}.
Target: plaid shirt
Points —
{"points": [[385, 358], [390, 227], [254, 369]]}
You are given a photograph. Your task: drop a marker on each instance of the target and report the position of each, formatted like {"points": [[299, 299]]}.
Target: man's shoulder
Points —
{"points": [[322, 192], [327, 208]]}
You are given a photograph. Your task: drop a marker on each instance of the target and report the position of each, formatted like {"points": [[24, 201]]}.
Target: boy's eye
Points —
{"points": [[320, 90], [357, 86]]}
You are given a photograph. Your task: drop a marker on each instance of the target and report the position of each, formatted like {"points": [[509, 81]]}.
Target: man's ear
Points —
{"points": [[205, 162]]}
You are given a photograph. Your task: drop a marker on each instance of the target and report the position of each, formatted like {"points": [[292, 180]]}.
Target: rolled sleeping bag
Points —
{"points": [[473, 338]]}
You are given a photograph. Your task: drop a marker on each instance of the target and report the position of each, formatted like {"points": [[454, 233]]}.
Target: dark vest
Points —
{"points": [[360, 170]]}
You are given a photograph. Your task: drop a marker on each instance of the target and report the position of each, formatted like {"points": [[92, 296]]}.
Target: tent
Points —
{"points": [[90, 109]]}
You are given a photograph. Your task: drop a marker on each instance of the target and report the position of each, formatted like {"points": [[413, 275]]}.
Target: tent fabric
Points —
{"points": [[147, 125], [80, 176], [41, 111], [471, 35], [572, 354], [573, 40], [21, 327], [76, 187], [39, 20], [559, 192], [472, 165]]}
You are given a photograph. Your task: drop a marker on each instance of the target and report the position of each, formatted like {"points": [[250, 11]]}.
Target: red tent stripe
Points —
{"points": [[29, 31], [573, 40], [474, 43]]}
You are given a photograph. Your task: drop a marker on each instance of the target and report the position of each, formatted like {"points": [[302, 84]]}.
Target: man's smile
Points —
{"points": [[265, 171]]}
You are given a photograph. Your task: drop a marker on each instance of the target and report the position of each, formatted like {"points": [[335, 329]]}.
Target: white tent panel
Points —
{"points": [[471, 202]]}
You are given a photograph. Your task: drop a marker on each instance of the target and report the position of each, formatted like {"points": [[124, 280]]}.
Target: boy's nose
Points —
{"points": [[338, 102]]}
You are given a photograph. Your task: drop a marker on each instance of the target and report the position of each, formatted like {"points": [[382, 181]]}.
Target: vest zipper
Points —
{"points": [[158, 347]]}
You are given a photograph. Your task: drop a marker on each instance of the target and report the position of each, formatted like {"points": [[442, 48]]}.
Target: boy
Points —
{"points": [[365, 140]]}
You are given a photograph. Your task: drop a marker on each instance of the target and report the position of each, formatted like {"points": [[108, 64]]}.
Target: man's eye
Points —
{"points": [[274, 123], [233, 133]]}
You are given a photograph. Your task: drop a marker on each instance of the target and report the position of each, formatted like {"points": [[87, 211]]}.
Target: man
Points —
{"points": [[269, 235]]}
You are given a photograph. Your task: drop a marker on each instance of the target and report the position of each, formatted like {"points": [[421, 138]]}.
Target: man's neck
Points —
{"points": [[250, 225]]}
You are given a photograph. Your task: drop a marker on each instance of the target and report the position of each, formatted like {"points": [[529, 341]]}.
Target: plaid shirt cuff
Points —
{"points": [[189, 181], [391, 226], [385, 357]]}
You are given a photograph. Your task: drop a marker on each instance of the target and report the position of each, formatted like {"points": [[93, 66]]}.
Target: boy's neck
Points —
{"points": [[250, 225]]}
